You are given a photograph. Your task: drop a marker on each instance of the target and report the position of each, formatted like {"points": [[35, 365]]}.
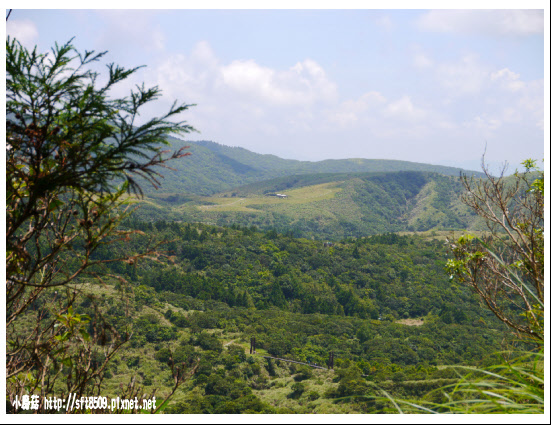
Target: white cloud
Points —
{"points": [[531, 102], [494, 98], [509, 106], [24, 31], [202, 54], [303, 84], [192, 77], [466, 77], [516, 100], [242, 100], [351, 111], [403, 109], [508, 79], [497, 23], [269, 110], [484, 122]]}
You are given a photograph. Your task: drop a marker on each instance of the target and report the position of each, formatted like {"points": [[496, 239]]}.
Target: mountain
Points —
{"points": [[329, 199], [328, 206], [214, 168]]}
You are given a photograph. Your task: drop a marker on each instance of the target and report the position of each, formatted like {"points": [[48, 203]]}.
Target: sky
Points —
{"points": [[435, 86]]}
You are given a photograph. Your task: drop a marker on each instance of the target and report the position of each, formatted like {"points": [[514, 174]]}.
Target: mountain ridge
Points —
{"points": [[214, 168]]}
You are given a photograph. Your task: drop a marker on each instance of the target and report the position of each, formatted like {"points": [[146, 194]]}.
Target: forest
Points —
{"points": [[381, 304]]}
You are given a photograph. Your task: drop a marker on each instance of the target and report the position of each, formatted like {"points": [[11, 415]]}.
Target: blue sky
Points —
{"points": [[422, 85]]}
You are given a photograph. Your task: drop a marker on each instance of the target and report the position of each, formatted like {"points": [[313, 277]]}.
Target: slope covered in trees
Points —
{"points": [[381, 304], [217, 168], [388, 275]]}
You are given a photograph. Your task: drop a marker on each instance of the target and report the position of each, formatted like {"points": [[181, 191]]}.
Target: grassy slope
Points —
{"points": [[278, 389], [161, 380], [139, 360], [330, 205]]}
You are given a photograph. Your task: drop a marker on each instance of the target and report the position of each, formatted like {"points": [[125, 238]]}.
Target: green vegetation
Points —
{"points": [[515, 386], [330, 206], [367, 277], [69, 145], [505, 268], [217, 168], [301, 300]]}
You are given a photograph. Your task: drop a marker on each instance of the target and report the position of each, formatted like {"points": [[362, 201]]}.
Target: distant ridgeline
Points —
{"points": [[329, 199], [215, 168]]}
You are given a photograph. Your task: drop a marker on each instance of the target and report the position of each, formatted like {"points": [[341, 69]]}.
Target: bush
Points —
{"points": [[304, 373], [208, 342], [298, 389], [313, 395], [163, 355]]}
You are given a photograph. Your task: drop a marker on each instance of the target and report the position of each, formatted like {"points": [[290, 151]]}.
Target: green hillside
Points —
{"points": [[328, 206], [382, 305], [215, 168], [272, 162]]}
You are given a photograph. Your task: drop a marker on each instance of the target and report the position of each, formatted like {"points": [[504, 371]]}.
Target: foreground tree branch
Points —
{"points": [[505, 266], [73, 153]]}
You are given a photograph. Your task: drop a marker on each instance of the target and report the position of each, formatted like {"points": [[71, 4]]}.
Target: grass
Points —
{"points": [[295, 197], [515, 386], [280, 388], [442, 235], [276, 394], [411, 322], [329, 210]]}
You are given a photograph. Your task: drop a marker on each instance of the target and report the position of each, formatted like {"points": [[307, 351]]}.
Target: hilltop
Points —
{"points": [[215, 168], [331, 199]]}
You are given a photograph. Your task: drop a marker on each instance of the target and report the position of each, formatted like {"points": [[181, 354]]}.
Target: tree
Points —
{"points": [[72, 153], [298, 389], [505, 266]]}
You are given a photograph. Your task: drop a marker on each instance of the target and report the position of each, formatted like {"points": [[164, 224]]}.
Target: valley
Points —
{"points": [[349, 264]]}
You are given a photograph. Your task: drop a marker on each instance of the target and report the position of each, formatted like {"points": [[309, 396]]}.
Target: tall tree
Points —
{"points": [[72, 153], [505, 266]]}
